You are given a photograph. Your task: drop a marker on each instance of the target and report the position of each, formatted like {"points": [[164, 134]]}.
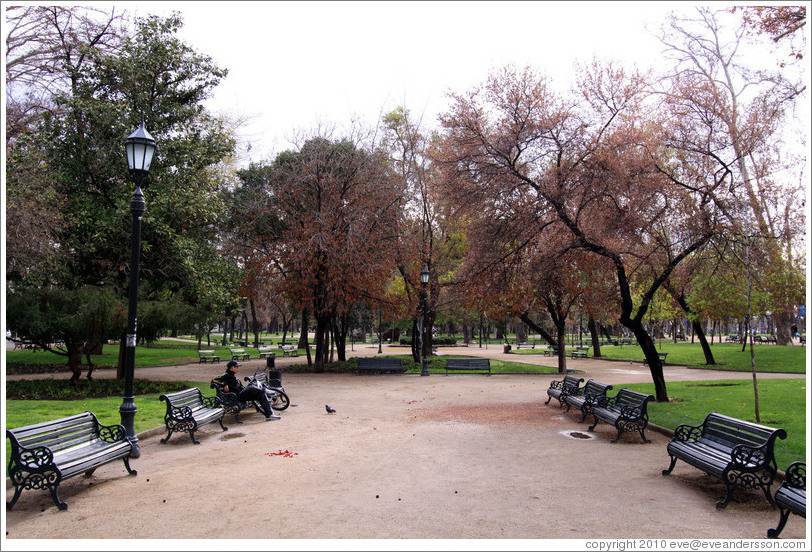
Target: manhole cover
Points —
{"points": [[576, 435]]}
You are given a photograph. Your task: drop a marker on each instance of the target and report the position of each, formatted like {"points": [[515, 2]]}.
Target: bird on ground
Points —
{"points": [[330, 409]]}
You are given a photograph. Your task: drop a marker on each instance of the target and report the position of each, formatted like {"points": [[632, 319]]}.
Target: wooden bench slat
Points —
{"points": [[468, 364]]}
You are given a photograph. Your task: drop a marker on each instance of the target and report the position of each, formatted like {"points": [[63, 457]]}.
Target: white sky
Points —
{"points": [[293, 65]]}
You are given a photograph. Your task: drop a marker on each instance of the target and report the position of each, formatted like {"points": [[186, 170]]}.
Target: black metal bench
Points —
{"points": [[790, 497], [551, 350], [662, 358], [188, 409], [738, 452], [239, 354], [207, 356], [580, 352], [525, 345], [44, 454], [231, 403], [468, 364], [626, 411], [381, 365], [587, 397], [265, 352], [559, 389]]}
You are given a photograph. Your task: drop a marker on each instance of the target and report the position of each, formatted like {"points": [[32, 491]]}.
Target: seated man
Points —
{"points": [[231, 384]]}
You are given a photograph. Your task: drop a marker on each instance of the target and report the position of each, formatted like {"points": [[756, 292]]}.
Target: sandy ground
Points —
{"points": [[404, 457]]}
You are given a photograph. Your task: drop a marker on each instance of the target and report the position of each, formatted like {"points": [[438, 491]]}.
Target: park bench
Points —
{"points": [[580, 352], [551, 350], [289, 350], [525, 345], [187, 410], [380, 364], [265, 352], [44, 454], [738, 452], [230, 403], [561, 388], [662, 358], [468, 364], [239, 354], [626, 411], [790, 497], [207, 356], [586, 398]]}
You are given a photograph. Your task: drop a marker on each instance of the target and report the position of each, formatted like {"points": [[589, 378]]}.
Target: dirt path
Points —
{"points": [[404, 457]]}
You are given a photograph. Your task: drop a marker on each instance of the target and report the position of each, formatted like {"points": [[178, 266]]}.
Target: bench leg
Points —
{"points": [[192, 435], [549, 397], [127, 465], [221, 424], [671, 467], [17, 492], [61, 505], [773, 533], [168, 435], [721, 504]]}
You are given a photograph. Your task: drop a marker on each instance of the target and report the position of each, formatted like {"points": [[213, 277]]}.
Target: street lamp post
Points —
{"points": [[140, 147], [379, 331], [424, 279]]}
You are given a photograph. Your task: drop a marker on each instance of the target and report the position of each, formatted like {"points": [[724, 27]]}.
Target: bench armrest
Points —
{"points": [[212, 402], [112, 433], [745, 456], [630, 412], [557, 384], [34, 458], [688, 433], [179, 413]]}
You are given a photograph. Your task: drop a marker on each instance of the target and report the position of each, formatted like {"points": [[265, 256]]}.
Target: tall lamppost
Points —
{"points": [[379, 331], [140, 147], [424, 307]]}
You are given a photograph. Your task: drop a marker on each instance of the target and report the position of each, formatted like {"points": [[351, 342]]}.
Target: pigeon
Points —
{"points": [[330, 409]]}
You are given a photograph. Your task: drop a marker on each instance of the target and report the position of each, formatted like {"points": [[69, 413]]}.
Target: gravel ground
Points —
{"points": [[474, 461]]}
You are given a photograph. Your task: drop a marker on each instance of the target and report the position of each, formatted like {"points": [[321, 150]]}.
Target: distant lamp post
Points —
{"points": [[424, 279], [140, 147], [379, 331]]}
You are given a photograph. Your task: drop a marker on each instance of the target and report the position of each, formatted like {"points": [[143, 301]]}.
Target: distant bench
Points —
{"points": [[586, 397], [380, 364], [580, 352], [289, 350], [265, 352], [239, 354], [207, 356], [662, 358], [44, 454], [472, 364], [738, 452]]}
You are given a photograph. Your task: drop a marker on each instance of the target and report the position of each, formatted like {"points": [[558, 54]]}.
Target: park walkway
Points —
{"points": [[404, 457]]}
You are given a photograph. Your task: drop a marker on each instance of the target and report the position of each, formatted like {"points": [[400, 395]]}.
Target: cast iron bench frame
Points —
{"points": [[380, 364], [207, 355], [738, 452], [189, 409], [472, 364], [790, 496], [559, 389], [44, 454], [239, 354], [587, 397]]}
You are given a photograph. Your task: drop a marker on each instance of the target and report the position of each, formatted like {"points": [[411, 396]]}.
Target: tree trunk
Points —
{"points": [[700, 334], [74, 352], [551, 340], [254, 323], [596, 341], [305, 324]]}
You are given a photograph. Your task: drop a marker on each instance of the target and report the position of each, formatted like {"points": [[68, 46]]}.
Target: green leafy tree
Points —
{"points": [[79, 148]]}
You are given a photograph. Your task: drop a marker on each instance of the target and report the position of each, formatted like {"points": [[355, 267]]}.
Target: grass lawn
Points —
{"points": [[728, 356]]}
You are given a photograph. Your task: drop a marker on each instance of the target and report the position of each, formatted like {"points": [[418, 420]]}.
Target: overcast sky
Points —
{"points": [[293, 65]]}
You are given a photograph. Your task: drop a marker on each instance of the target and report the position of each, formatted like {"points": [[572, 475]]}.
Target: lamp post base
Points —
{"points": [[127, 411], [425, 371]]}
